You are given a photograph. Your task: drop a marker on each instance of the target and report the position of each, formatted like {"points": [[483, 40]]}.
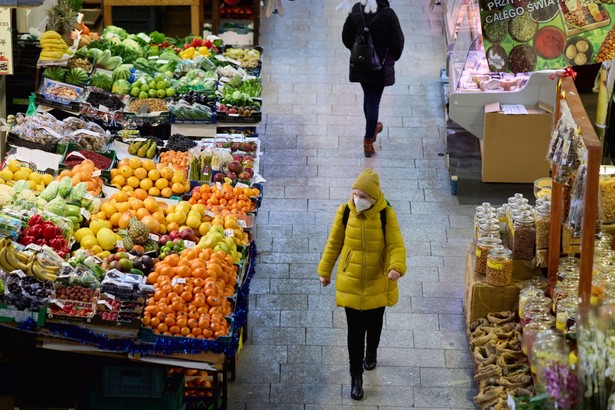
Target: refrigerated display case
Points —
{"points": [[472, 83]]}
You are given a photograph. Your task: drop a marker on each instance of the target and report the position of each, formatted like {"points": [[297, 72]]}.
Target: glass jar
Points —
{"points": [[514, 200], [533, 309], [569, 260], [600, 281], [489, 228], [549, 347], [566, 289], [543, 226], [538, 324], [499, 266], [609, 294], [524, 237], [566, 315], [527, 294], [536, 282], [483, 246], [483, 218], [607, 197], [568, 272], [604, 240], [501, 213]]}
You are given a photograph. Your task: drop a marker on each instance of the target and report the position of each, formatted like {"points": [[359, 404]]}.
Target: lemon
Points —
{"points": [[31, 184], [27, 170], [89, 242], [47, 179], [96, 249], [6, 174], [40, 187], [36, 177], [81, 233], [106, 238], [20, 175], [14, 165]]}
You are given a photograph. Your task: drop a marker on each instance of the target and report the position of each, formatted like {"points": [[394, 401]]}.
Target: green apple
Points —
{"points": [[170, 92], [152, 92], [158, 77], [161, 93], [143, 95], [135, 91], [152, 84], [160, 85], [144, 88]]}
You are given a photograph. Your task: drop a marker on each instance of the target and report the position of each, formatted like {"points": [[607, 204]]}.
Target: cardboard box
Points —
{"points": [[514, 146]]}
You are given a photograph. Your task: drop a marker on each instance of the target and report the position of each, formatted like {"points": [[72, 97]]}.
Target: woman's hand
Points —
{"points": [[394, 275], [325, 281]]}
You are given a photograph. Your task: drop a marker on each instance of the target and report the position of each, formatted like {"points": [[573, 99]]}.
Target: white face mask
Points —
{"points": [[362, 204]]}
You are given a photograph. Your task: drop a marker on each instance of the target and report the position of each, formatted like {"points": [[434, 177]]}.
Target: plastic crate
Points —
{"points": [[14, 140], [147, 335], [234, 118], [74, 147], [9, 315], [121, 381], [172, 398]]}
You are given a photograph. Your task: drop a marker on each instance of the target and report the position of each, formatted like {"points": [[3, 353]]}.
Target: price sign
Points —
{"points": [[6, 42]]}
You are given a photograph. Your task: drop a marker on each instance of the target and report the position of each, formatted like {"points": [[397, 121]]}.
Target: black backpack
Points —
{"points": [[383, 218], [363, 54]]}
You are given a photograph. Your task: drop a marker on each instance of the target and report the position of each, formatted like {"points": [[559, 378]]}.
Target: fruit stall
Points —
{"points": [[122, 240]]}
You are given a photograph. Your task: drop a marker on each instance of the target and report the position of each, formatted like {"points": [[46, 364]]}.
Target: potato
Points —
{"points": [[580, 59], [571, 52], [582, 46]]}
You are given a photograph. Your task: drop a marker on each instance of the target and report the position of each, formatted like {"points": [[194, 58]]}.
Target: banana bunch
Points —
{"points": [[53, 46], [11, 259]]}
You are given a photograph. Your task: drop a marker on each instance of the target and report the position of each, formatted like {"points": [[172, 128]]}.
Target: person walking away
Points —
{"points": [[388, 40], [366, 234]]}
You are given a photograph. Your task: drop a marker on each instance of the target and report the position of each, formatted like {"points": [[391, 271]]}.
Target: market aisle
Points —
{"points": [[296, 356]]}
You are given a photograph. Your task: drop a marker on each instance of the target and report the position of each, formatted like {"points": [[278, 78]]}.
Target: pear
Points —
{"points": [[143, 149], [151, 151], [134, 147]]}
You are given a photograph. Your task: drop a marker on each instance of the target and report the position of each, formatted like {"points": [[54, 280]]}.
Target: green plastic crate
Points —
{"points": [[133, 381], [172, 398]]}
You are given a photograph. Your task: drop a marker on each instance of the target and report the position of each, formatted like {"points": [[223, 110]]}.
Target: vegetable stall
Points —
{"points": [[122, 240]]}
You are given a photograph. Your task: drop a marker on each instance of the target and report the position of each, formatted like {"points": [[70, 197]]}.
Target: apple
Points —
{"points": [[235, 167], [173, 235], [250, 171], [188, 234], [231, 175], [164, 239], [219, 177], [244, 176]]}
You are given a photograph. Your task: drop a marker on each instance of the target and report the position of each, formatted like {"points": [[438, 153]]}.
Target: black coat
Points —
{"points": [[388, 40]]}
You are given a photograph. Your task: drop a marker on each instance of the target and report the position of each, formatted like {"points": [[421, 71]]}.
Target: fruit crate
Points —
{"points": [[236, 118], [58, 310], [16, 141], [70, 102], [172, 398], [147, 335], [71, 146], [133, 381]]}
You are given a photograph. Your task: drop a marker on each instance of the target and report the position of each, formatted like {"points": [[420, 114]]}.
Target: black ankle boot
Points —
{"points": [[356, 391], [370, 361]]}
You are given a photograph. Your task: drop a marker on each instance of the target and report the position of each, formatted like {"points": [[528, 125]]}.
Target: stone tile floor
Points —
{"points": [[295, 356]]}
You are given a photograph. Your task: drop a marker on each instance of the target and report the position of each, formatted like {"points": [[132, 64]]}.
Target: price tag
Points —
{"points": [[241, 185], [96, 173], [107, 304], [19, 273], [209, 213], [52, 132], [76, 154], [511, 402], [88, 132], [85, 213], [220, 57], [178, 280], [34, 247], [189, 244], [233, 61], [119, 244], [109, 296], [154, 237], [218, 185], [144, 37], [57, 302], [103, 108], [115, 272], [18, 246], [152, 58], [478, 253], [242, 223], [162, 61], [229, 233]]}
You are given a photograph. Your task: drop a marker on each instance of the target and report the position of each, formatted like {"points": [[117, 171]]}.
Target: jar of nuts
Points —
{"points": [[489, 228], [499, 266], [524, 236], [485, 244], [543, 225], [607, 194]]}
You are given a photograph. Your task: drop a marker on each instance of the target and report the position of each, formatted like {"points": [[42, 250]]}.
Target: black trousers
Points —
{"points": [[362, 323]]}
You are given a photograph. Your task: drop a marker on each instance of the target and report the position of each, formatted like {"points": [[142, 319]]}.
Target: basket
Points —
{"points": [[122, 381], [171, 399]]}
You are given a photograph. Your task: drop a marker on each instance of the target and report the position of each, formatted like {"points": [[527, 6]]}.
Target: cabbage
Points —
{"points": [[78, 192], [41, 203], [56, 206], [121, 87], [20, 186], [51, 191], [94, 205], [66, 185], [111, 32]]}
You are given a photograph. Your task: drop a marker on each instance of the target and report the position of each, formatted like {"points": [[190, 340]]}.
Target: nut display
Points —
{"points": [[482, 251], [499, 267]]}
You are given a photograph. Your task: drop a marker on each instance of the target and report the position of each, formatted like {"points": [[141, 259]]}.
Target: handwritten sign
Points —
{"points": [[6, 42]]}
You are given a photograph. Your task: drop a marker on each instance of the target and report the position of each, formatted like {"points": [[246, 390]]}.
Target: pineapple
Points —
{"points": [[151, 245], [127, 242], [137, 231], [62, 18]]}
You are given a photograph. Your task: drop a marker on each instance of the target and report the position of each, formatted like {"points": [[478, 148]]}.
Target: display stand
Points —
{"points": [[196, 10], [215, 18], [566, 90]]}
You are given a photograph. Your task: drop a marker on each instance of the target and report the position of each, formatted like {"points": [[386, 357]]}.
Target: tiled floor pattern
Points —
{"points": [[295, 356]]}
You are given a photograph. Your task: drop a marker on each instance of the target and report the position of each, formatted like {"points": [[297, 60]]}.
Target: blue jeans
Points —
{"points": [[372, 93]]}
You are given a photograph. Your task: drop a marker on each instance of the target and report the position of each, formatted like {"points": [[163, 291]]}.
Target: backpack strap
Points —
{"points": [[383, 218], [345, 215]]}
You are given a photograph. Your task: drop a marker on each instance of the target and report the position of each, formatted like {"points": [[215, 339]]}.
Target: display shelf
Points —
{"points": [[567, 90], [216, 18]]}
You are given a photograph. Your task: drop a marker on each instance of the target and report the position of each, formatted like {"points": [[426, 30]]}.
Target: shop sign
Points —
{"points": [[6, 42], [533, 35]]}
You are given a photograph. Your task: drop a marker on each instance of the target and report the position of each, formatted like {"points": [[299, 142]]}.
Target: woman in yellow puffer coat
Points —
{"points": [[366, 235]]}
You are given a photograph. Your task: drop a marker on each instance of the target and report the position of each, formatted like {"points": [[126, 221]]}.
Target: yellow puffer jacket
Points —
{"points": [[362, 276]]}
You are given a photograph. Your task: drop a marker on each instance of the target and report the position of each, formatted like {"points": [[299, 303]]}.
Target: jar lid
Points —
{"points": [[500, 251], [532, 293], [525, 217], [540, 322], [489, 240], [544, 208], [536, 282]]}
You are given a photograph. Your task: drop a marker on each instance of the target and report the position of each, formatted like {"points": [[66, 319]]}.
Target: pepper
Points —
{"points": [[36, 231], [35, 220], [49, 230]]}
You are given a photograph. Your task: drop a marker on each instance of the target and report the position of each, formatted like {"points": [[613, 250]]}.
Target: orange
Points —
{"points": [[167, 192], [125, 171], [120, 196], [141, 194], [153, 174], [151, 204], [148, 164], [109, 209], [152, 277], [127, 188], [135, 203], [162, 183], [114, 172], [134, 162], [123, 220], [133, 182], [152, 223], [123, 162], [166, 173], [142, 213], [172, 260], [118, 181], [140, 173], [178, 188], [146, 184], [186, 186], [115, 218], [122, 206], [178, 176], [153, 191]]}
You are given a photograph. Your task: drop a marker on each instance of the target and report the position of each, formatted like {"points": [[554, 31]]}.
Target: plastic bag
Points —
{"points": [[577, 194], [32, 106]]}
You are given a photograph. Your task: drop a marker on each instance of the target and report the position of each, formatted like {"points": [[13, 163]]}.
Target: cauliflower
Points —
{"points": [[6, 195], [27, 195]]}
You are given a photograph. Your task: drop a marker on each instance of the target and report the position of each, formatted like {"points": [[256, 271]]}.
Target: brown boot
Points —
{"points": [[368, 147], [379, 128]]}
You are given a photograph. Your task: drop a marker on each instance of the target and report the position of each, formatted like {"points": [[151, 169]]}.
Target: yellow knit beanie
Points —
{"points": [[368, 182]]}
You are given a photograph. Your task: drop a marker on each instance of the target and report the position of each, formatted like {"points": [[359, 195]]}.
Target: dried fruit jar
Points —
{"points": [[485, 244], [499, 266], [543, 225], [524, 237], [538, 324], [549, 346], [527, 294], [607, 195], [566, 315]]}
